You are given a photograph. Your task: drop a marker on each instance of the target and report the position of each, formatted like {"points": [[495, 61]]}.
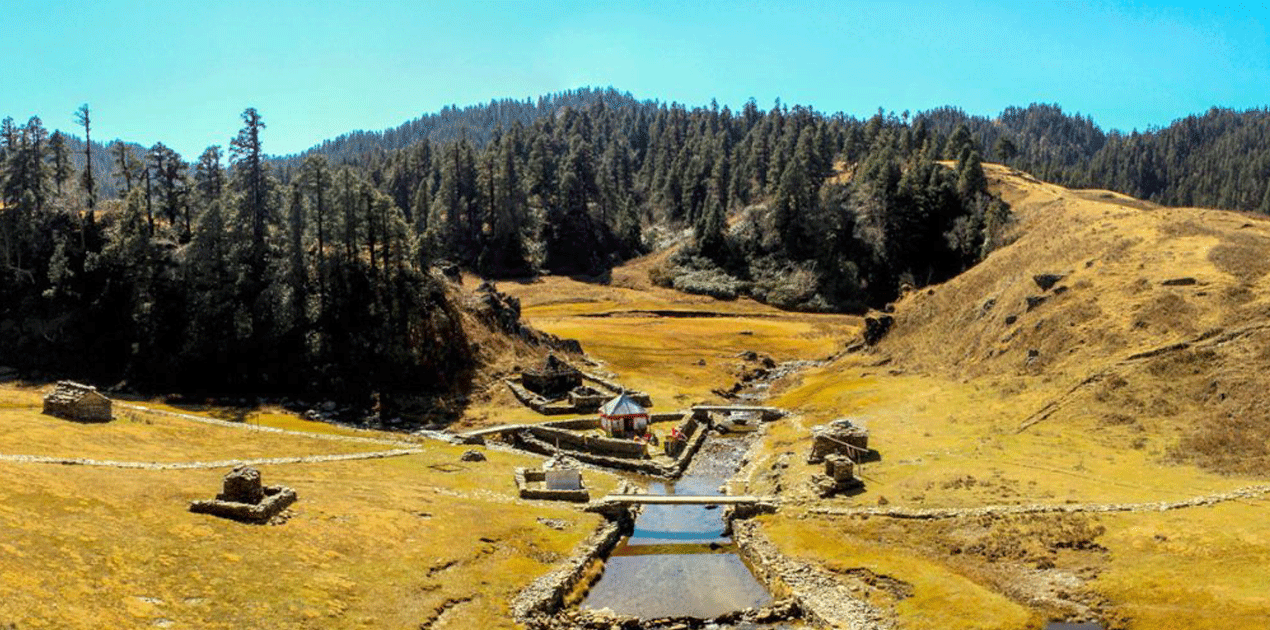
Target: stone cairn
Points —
{"points": [[839, 476], [244, 498], [839, 445]]}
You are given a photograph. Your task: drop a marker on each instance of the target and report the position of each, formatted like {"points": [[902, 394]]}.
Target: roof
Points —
{"points": [[622, 405], [70, 392]]}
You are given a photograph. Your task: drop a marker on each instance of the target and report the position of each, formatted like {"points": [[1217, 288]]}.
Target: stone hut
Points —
{"points": [[840, 437], [553, 379], [76, 401], [622, 417]]}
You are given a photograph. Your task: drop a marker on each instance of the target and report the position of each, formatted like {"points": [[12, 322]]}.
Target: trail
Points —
{"points": [[227, 463], [265, 429], [1246, 492]]}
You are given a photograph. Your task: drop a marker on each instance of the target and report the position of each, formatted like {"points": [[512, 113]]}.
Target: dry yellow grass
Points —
{"points": [[397, 542], [947, 408], [374, 543]]}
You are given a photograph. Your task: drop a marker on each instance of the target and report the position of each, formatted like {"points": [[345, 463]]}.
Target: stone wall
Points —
{"points": [[608, 447], [527, 441], [537, 603], [276, 499], [578, 424], [823, 599], [527, 477]]}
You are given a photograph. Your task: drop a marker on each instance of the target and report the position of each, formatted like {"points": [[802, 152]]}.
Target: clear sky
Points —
{"points": [[181, 72]]}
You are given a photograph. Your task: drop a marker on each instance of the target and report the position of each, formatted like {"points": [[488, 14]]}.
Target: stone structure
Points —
{"points": [[76, 401], [551, 390], [841, 437], [559, 479], [839, 476], [244, 498], [553, 379]]}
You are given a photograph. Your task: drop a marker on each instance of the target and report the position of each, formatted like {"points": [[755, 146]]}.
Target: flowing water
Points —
{"points": [[678, 561]]}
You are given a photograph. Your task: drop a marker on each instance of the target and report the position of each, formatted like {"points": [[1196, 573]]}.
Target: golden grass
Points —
{"points": [[942, 599], [374, 543], [398, 542], [947, 419]]}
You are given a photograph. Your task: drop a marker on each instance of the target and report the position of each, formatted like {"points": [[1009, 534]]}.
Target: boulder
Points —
{"points": [[1047, 280], [875, 328], [472, 455]]}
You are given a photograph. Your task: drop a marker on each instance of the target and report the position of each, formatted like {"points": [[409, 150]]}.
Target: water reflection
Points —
{"points": [[700, 576]]}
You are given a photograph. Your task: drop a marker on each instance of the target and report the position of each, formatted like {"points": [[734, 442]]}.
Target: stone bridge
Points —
{"points": [[687, 499]]}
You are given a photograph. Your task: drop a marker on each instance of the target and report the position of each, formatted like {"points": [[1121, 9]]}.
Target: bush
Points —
{"points": [[712, 282]]}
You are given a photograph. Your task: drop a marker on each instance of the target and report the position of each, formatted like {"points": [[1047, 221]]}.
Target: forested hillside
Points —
{"points": [[474, 123], [1220, 159], [319, 276], [316, 271]]}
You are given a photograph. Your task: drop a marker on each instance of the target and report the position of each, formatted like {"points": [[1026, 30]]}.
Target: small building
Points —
{"points": [[76, 401], [622, 417], [553, 379], [841, 437]]}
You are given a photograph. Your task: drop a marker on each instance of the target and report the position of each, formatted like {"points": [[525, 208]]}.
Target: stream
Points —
{"points": [[677, 561]]}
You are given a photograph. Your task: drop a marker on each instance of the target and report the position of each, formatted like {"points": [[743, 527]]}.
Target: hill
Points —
{"points": [[1216, 159], [473, 123], [1086, 480], [1105, 364], [1157, 316]]}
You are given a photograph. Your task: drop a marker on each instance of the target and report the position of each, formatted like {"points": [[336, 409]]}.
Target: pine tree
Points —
{"points": [[252, 182], [209, 177], [317, 181], [127, 166], [83, 119], [61, 157]]}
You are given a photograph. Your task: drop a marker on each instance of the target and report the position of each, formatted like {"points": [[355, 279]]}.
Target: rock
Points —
{"points": [[1034, 301], [328, 406], [572, 346], [242, 485], [1179, 282], [1010, 319], [1047, 280], [875, 328], [472, 455]]}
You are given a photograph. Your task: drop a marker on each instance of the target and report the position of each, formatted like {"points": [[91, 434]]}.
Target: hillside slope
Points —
{"points": [[1160, 321], [997, 398]]}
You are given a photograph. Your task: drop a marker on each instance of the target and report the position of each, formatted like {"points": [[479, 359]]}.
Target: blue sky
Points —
{"points": [[181, 72]]}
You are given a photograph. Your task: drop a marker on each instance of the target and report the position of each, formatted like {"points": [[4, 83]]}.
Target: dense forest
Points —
{"points": [[236, 271], [1220, 159]]}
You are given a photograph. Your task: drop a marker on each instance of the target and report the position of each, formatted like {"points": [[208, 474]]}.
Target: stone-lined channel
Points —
{"points": [[678, 562]]}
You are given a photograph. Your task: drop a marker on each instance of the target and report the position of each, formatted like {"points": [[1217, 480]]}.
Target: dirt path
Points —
{"points": [[265, 429], [405, 448], [228, 463], [1246, 492]]}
